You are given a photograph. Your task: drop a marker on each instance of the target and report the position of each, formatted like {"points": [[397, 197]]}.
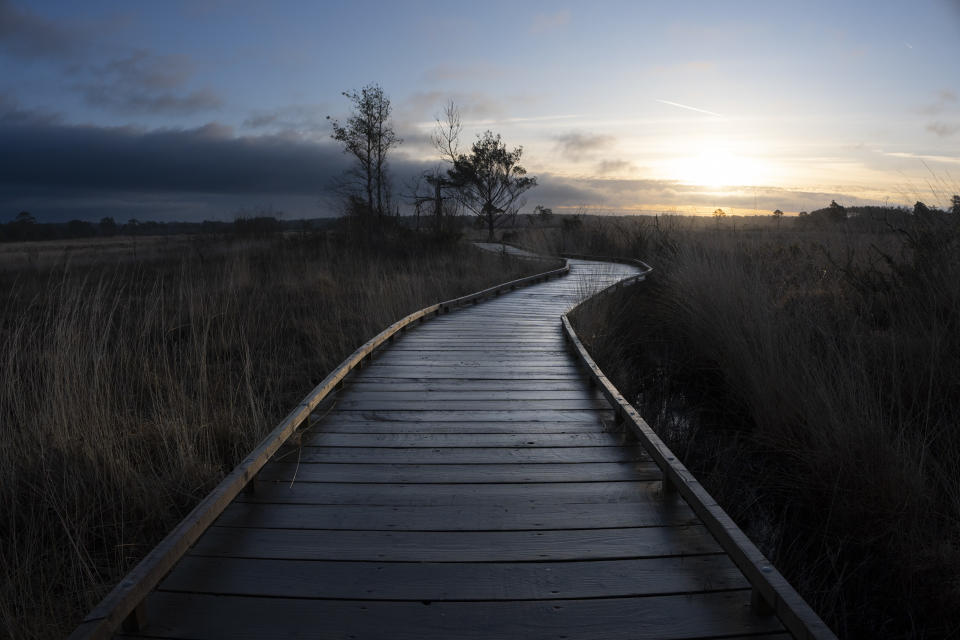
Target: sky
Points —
{"points": [[202, 109]]}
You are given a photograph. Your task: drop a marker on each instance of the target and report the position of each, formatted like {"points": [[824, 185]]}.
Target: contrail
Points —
{"points": [[684, 106]]}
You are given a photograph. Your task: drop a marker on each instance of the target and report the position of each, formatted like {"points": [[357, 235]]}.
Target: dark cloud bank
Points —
{"points": [[49, 167], [61, 171]]}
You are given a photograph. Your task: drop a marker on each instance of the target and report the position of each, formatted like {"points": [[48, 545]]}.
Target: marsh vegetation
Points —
{"points": [[130, 386], [809, 375]]}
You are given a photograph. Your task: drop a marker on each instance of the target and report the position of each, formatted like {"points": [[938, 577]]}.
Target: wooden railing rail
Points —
{"points": [[124, 607], [771, 591]]}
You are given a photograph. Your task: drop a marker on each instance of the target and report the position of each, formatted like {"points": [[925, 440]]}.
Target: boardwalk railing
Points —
{"points": [[771, 591], [123, 606]]}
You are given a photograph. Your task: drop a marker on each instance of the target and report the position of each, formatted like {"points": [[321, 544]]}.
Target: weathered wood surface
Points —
{"points": [[466, 483]]}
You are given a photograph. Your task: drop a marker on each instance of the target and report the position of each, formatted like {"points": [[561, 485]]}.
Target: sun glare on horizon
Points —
{"points": [[719, 167]]}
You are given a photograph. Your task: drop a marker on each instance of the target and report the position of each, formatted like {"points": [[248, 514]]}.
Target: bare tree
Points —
{"points": [[368, 136], [429, 192], [490, 180], [432, 190], [446, 133]]}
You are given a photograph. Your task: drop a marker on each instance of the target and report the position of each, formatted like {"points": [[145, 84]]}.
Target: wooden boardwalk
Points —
{"points": [[467, 483]]}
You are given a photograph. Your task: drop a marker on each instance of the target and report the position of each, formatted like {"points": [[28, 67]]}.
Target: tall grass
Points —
{"points": [[811, 379], [129, 389]]}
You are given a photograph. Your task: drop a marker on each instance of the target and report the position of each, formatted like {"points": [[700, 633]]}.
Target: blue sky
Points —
{"points": [[180, 110]]}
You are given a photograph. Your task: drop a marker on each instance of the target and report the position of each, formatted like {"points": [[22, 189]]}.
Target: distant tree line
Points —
{"points": [[25, 227], [836, 213]]}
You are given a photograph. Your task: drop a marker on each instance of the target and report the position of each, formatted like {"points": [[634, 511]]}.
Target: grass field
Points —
{"points": [[810, 377], [131, 384]]}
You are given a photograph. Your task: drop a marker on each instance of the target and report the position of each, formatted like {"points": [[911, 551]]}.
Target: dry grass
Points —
{"points": [[129, 388], [812, 380]]}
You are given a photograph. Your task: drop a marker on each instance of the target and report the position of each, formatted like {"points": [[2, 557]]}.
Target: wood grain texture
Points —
{"points": [[456, 546], [438, 581], [512, 516], [470, 453], [460, 473], [465, 494], [188, 615], [465, 482]]}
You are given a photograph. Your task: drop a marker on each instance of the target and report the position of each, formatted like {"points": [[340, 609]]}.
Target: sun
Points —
{"points": [[719, 167]]}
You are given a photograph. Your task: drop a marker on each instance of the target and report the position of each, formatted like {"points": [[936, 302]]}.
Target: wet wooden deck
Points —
{"points": [[468, 483]]}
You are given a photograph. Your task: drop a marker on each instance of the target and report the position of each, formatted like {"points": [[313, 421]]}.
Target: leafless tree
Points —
{"points": [[432, 190], [368, 136], [446, 133]]}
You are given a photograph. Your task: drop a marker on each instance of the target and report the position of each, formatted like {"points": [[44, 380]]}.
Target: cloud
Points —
{"points": [[623, 195], [923, 157], [143, 82], [544, 22], [67, 171], [133, 100], [607, 167], [207, 159], [28, 35], [943, 129], [578, 146], [12, 115], [945, 100]]}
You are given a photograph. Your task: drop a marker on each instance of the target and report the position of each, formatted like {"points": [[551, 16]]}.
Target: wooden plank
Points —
{"points": [[459, 473], [429, 428], [356, 394], [370, 441], [637, 618], [475, 346], [409, 417], [469, 454], [454, 494], [485, 330], [440, 582], [514, 361], [511, 515], [348, 403], [415, 340], [456, 546], [478, 373], [371, 382]]}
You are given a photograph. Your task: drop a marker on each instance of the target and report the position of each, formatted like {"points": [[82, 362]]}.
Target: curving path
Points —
{"points": [[468, 483]]}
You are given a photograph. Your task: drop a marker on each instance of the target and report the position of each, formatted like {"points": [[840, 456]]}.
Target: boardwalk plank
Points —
{"points": [[661, 618], [506, 404], [501, 517], [371, 382], [519, 415], [456, 546], [455, 494], [359, 394], [455, 581], [470, 454], [459, 473], [432, 433]]}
